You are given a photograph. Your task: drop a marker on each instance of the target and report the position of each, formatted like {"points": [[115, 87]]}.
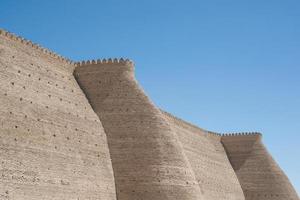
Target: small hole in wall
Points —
{"points": [[15, 139], [39, 79], [5, 94], [21, 99], [19, 71], [12, 83], [13, 56], [68, 138], [54, 135], [24, 87], [29, 75]]}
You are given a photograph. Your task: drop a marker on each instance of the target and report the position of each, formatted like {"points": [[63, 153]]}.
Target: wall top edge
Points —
{"points": [[113, 61], [30, 44], [211, 132], [242, 134]]}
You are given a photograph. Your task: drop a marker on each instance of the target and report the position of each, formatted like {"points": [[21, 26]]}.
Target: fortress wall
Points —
{"points": [[259, 175], [52, 144], [147, 157], [209, 161]]}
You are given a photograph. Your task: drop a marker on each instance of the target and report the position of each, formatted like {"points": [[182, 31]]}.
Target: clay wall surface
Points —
{"points": [[208, 160], [259, 175], [148, 160], [52, 144], [100, 137]]}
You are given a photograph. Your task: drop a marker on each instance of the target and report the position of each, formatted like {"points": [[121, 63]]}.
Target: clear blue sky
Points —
{"points": [[226, 66]]}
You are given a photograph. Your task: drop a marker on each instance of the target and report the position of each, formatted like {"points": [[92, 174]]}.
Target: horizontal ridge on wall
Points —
{"points": [[189, 124], [211, 132], [242, 134], [34, 45], [121, 61]]}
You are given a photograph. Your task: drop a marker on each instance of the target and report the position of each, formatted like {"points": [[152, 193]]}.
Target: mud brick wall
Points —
{"points": [[259, 175], [97, 136], [209, 161], [52, 144], [148, 160]]}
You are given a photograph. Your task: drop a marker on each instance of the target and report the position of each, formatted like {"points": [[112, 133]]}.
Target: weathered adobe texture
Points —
{"points": [[259, 175], [147, 157], [53, 145], [208, 160]]}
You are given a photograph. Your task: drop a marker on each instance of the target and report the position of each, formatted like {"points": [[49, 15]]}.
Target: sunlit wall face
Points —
{"points": [[226, 66]]}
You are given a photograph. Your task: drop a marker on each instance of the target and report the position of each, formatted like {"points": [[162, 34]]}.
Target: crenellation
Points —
{"points": [[30, 44], [256, 134], [109, 61]]}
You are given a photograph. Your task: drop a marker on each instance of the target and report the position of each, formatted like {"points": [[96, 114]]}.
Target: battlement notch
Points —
{"points": [[112, 61], [241, 134]]}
